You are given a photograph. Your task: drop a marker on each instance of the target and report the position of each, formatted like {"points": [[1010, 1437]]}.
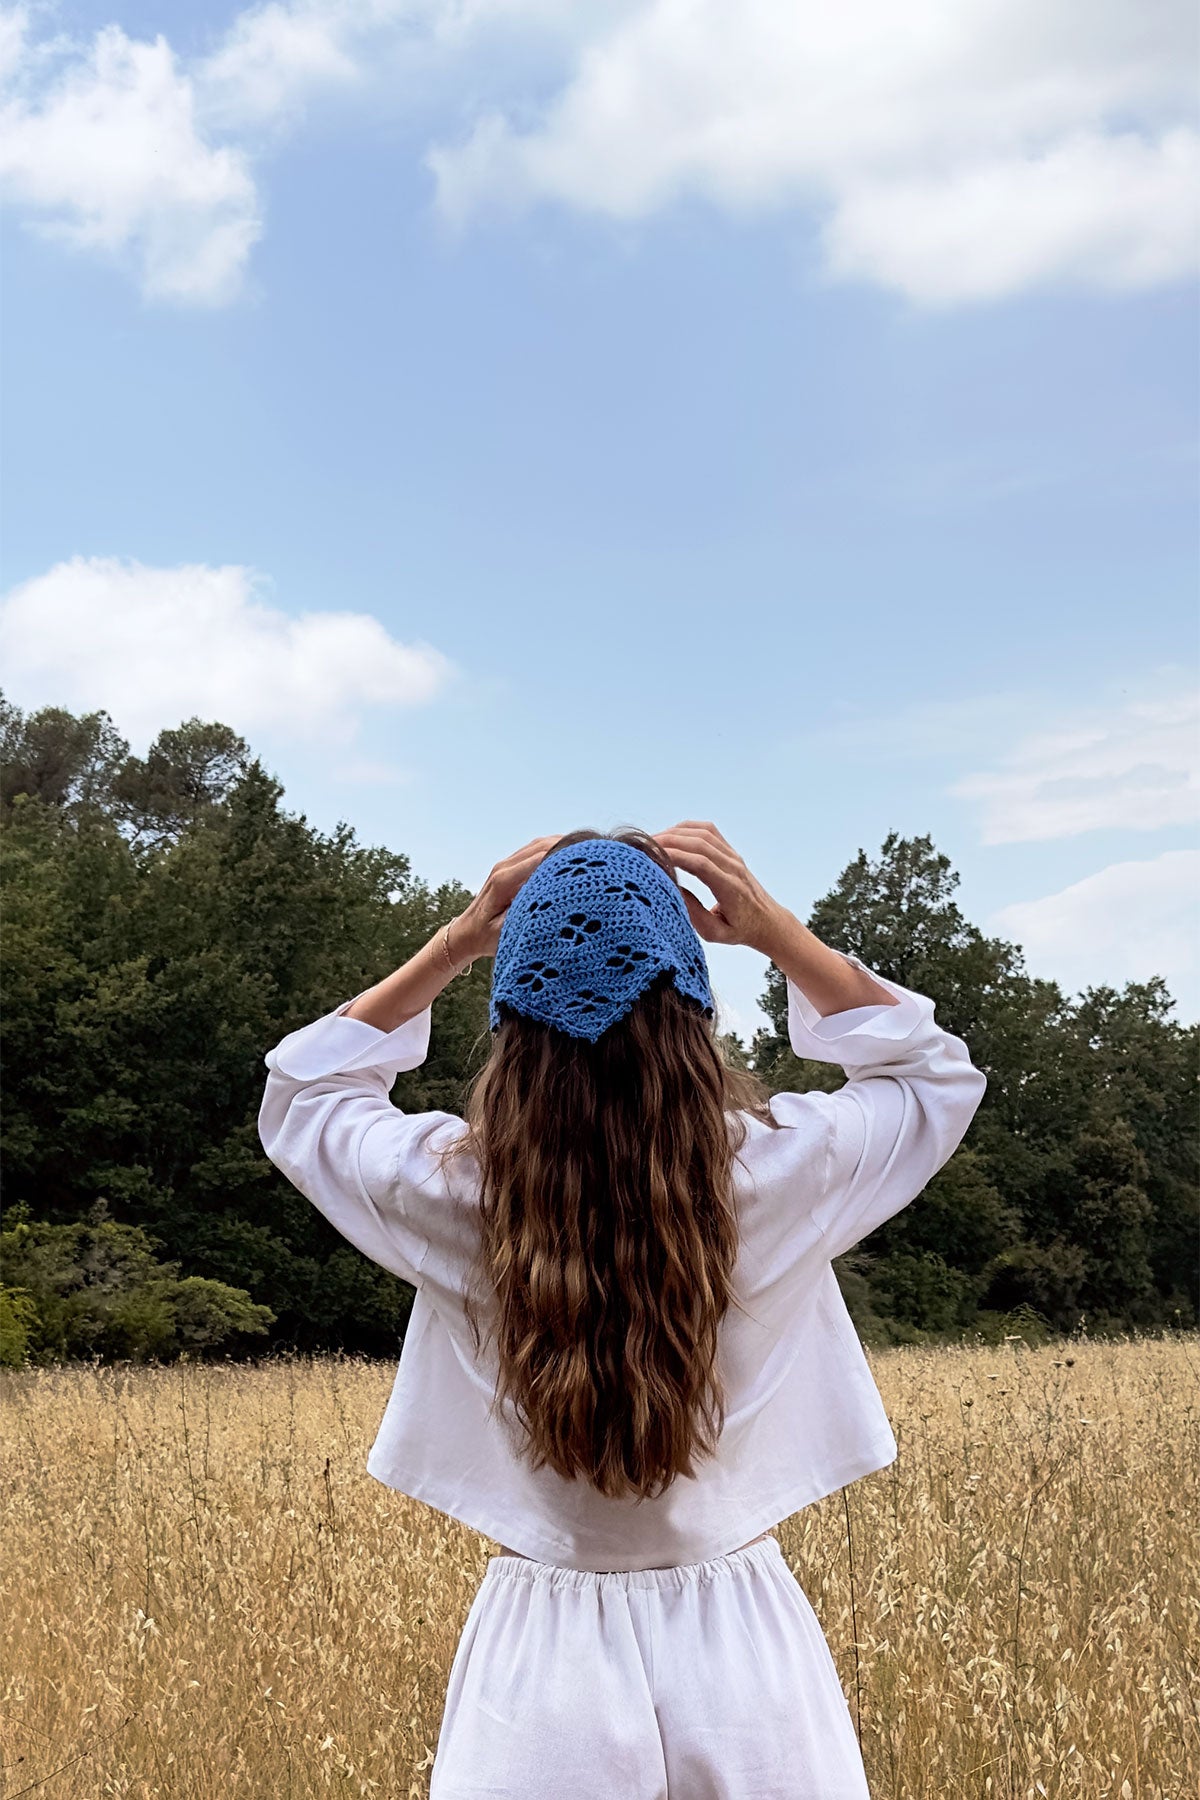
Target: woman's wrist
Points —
{"points": [[827, 978], [452, 949], [411, 988], [774, 933]]}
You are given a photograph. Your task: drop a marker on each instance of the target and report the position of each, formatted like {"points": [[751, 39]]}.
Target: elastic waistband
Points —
{"points": [[680, 1575]]}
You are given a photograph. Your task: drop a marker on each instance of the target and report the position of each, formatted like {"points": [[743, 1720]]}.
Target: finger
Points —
{"points": [[705, 825], [702, 830], [504, 882], [695, 840], [709, 871], [682, 825], [698, 828], [698, 913], [535, 844], [507, 879], [528, 856], [706, 921]]}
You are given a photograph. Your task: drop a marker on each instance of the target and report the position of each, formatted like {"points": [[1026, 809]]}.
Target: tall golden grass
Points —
{"points": [[205, 1595]]}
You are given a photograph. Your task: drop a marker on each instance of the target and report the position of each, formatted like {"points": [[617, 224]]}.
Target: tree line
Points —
{"points": [[166, 920]]}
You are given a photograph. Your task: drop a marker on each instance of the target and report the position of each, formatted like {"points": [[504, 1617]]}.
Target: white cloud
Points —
{"points": [[1105, 212], [14, 31], [1127, 922], [275, 57], [959, 149], [155, 646], [953, 150], [1137, 769], [960, 727], [105, 151], [119, 146]]}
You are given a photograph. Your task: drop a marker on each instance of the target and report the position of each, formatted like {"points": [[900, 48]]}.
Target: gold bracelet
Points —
{"points": [[450, 963]]}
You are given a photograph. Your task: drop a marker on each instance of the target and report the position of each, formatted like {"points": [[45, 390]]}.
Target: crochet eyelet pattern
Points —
{"points": [[585, 936]]}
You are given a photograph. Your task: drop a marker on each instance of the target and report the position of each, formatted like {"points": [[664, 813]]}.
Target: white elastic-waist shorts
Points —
{"points": [[710, 1681]]}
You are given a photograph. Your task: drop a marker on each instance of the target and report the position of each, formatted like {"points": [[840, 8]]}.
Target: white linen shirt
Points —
{"points": [[803, 1413]]}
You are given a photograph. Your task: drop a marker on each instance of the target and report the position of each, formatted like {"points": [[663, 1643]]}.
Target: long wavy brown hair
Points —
{"points": [[608, 1230]]}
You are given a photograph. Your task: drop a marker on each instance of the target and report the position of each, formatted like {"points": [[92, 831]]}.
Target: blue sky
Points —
{"points": [[512, 416]]}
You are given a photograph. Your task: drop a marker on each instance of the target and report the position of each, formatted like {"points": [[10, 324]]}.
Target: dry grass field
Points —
{"points": [[205, 1595]]}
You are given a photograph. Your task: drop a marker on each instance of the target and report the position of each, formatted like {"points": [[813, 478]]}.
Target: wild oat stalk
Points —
{"points": [[243, 1611]]}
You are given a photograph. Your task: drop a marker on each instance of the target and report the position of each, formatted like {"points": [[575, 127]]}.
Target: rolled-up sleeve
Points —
{"points": [[911, 1091], [326, 1121]]}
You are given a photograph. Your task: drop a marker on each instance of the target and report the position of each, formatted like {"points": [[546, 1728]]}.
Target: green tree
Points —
{"points": [[167, 920], [97, 1288], [1074, 1191], [52, 756], [18, 1322], [146, 975]]}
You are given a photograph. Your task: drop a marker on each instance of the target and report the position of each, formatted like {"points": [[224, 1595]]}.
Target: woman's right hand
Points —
{"points": [[745, 913], [477, 928]]}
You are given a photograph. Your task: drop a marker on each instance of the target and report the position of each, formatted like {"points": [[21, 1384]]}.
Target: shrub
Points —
{"points": [[95, 1288]]}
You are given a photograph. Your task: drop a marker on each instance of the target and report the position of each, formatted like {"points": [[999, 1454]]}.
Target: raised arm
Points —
{"points": [[408, 990], [326, 1119], [327, 1123], [746, 914], [911, 1091]]}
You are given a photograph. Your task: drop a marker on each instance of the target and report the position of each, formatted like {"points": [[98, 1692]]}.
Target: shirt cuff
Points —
{"points": [[861, 1032], [335, 1045]]}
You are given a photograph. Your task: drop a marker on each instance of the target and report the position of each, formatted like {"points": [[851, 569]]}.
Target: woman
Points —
{"points": [[628, 1357]]}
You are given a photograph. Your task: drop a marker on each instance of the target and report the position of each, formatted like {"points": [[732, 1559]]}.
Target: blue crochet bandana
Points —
{"points": [[587, 934]]}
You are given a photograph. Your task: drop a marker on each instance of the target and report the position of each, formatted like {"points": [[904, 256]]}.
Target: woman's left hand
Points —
{"points": [[476, 931]]}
